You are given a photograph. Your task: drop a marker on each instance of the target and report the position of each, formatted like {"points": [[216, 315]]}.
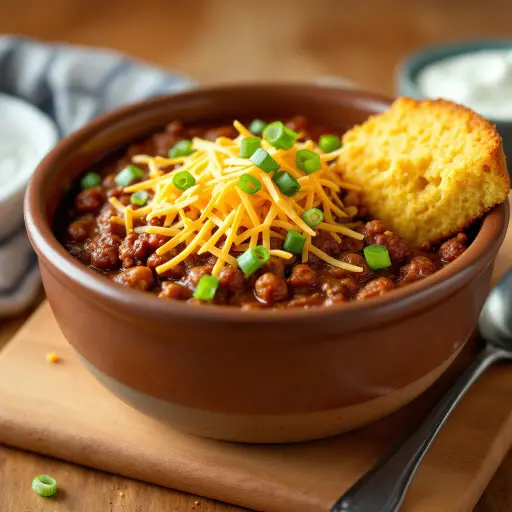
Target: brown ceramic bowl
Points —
{"points": [[256, 376]]}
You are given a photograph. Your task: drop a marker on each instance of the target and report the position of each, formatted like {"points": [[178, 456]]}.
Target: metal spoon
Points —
{"points": [[383, 488]]}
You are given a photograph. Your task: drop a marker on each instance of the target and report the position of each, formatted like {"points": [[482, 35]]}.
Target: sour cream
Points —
{"points": [[17, 158], [26, 135], [481, 80]]}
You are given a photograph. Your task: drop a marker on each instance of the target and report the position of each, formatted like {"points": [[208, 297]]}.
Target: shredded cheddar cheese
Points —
{"points": [[128, 219], [216, 216]]}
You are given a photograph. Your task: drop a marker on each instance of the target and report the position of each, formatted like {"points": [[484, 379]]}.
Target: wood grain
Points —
{"points": [[217, 41], [85, 490]]}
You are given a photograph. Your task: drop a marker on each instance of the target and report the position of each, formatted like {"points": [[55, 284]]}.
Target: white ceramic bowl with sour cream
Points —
{"points": [[26, 136]]}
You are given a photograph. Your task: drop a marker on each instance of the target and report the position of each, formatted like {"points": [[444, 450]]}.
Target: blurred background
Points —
{"points": [[224, 40]]}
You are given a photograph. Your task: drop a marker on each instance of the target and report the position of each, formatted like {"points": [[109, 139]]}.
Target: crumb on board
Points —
{"points": [[196, 502], [121, 493], [52, 358]]}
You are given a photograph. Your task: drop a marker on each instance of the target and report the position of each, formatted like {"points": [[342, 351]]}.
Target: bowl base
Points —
{"points": [[267, 428]]}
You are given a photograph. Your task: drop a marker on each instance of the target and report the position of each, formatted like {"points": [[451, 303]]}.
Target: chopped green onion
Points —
{"points": [[139, 198], [249, 184], [206, 288], [294, 242], [127, 175], [183, 180], [90, 180], [287, 184], [44, 485], [313, 217], [329, 143], [307, 161], [293, 134], [181, 148], [278, 135], [248, 146], [276, 175], [253, 259], [377, 256], [260, 158], [257, 126]]}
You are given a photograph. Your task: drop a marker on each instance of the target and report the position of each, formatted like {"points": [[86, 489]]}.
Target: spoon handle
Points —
{"points": [[383, 488]]}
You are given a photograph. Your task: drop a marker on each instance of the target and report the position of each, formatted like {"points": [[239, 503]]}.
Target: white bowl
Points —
{"points": [[26, 136]]}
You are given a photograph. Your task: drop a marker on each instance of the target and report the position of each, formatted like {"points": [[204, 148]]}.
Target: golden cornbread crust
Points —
{"points": [[427, 168]]}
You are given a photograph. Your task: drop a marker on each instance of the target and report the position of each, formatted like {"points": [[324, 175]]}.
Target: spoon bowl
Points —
{"points": [[495, 322]]}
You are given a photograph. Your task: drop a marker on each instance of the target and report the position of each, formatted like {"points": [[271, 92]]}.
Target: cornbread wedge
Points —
{"points": [[427, 168]]}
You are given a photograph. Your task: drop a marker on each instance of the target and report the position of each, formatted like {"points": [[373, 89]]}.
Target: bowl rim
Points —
{"points": [[402, 302]]}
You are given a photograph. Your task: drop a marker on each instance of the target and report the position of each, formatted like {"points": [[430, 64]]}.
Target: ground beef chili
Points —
{"points": [[91, 237]]}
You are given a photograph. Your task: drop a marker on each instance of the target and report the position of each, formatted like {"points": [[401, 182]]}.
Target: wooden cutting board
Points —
{"points": [[60, 410]]}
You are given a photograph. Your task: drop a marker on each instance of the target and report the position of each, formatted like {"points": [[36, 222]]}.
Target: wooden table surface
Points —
{"points": [[219, 41]]}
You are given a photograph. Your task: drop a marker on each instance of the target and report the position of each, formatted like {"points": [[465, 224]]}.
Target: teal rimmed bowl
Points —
{"points": [[408, 70]]}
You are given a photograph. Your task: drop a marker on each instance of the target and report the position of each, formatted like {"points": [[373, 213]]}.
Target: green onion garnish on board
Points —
{"points": [[44, 485]]}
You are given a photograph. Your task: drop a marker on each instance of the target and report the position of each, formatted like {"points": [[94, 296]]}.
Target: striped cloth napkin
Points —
{"points": [[71, 85]]}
